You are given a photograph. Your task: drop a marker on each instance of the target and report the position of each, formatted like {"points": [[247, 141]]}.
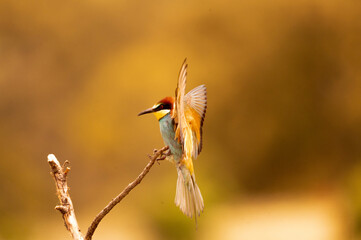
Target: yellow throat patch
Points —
{"points": [[161, 113]]}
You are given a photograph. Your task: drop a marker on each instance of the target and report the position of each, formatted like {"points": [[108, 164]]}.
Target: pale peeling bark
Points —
{"points": [[66, 205]]}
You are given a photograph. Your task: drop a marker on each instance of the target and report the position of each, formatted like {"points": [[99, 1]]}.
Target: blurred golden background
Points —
{"points": [[282, 134]]}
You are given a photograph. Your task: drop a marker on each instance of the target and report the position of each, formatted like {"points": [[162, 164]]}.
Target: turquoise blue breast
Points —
{"points": [[166, 125]]}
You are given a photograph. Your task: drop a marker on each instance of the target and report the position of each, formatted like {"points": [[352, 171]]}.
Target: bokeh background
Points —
{"points": [[282, 134]]}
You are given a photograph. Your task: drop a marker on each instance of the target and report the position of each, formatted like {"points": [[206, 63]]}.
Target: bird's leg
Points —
{"points": [[164, 155]]}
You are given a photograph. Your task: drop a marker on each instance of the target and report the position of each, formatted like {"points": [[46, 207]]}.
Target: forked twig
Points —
{"points": [[66, 206]]}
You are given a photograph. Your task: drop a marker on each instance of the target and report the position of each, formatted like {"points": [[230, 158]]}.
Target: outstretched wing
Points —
{"points": [[196, 106], [178, 109], [189, 112]]}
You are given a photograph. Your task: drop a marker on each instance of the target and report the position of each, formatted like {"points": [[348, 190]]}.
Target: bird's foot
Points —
{"points": [[164, 155]]}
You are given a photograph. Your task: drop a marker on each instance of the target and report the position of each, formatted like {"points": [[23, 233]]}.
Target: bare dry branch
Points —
{"points": [[157, 154], [66, 205]]}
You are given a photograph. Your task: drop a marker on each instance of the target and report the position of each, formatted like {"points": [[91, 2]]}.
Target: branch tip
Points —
{"points": [[66, 163], [52, 158]]}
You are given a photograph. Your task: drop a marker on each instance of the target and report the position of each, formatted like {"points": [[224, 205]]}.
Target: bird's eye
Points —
{"points": [[160, 107]]}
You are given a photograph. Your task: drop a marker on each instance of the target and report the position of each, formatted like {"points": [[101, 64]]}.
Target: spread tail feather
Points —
{"points": [[188, 196]]}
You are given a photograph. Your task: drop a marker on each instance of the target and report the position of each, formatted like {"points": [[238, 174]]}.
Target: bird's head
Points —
{"points": [[160, 109]]}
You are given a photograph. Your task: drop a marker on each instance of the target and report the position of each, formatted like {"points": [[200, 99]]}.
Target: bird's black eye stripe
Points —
{"points": [[166, 106], [163, 106]]}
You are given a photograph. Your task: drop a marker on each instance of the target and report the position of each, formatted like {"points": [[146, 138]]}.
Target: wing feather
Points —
{"points": [[178, 112], [197, 99], [188, 113]]}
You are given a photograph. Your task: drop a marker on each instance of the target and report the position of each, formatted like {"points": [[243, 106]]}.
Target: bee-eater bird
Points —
{"points": [[181, 121]]}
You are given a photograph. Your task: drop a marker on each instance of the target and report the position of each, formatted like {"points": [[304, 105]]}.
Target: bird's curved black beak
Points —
{"points": [[149, 110]]}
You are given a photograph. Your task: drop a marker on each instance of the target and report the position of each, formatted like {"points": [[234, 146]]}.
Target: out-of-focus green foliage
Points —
{"points": [[283, 117]]}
